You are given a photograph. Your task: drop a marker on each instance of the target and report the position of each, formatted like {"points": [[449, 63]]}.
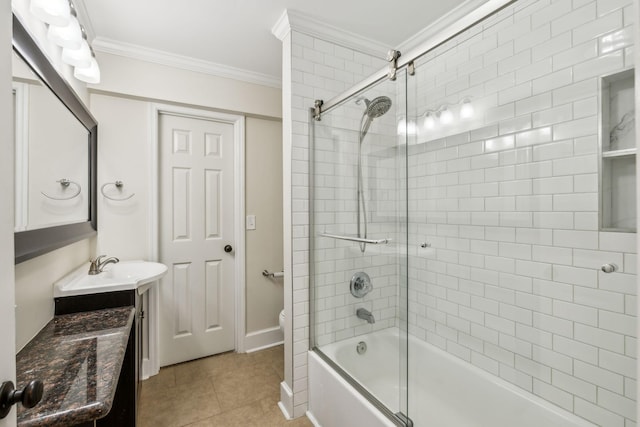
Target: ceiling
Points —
{"points": [[237, 33]]}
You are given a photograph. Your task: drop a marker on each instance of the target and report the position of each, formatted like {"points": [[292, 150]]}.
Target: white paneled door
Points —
{"points": [[197, 310]]}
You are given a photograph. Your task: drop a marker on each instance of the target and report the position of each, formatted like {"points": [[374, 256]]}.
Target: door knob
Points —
{"points": [[228, 248], [28, 396]]}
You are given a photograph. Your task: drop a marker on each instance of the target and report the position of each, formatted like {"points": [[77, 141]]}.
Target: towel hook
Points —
{"points": [[65, 183], [118, 184]]}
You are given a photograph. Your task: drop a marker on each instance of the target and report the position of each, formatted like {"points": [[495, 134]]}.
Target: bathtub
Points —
{"points": [[443, 391]]}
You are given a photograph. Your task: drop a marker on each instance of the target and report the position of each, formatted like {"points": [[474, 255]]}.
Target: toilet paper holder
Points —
{"points": [[270, 275]]}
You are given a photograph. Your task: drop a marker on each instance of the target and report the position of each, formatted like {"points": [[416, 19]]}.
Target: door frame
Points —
{"points": [[151, 366]]}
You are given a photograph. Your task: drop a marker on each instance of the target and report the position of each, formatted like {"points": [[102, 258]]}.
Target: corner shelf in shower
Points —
{"points": [[356, 239]]}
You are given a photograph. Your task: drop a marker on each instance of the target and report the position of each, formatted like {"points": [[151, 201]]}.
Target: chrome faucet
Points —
{"points": [[98, 264], [365, 314]]}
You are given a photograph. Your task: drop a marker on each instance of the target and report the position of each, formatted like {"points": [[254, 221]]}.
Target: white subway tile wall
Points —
{"points": [[321, 70], [509, 202]]}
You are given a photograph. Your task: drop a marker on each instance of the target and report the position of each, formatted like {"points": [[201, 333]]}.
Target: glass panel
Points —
{"points": [[509, 300], [358, 227]]}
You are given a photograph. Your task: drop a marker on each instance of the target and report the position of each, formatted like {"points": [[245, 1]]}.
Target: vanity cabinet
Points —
{"points": [[123, 412]]}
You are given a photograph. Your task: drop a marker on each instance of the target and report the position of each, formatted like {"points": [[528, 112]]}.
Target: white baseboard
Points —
{"points": [[286, 400], [147, 370], [313, 419], [265, 338]]}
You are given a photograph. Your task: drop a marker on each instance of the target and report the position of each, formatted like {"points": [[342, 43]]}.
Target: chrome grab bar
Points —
{"points": [[356, 239]]}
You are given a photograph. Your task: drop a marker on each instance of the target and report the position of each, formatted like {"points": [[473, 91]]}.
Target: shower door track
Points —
{"points": [[483, 12]]}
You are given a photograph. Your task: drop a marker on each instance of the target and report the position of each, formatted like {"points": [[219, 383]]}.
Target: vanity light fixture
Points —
{"points": [[66, 31], [90, 74], [80, 57], [70, 35], [54, 12]]}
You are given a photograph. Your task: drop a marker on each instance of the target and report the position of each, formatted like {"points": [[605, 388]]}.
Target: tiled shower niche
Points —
{"points": [[618, 167]]}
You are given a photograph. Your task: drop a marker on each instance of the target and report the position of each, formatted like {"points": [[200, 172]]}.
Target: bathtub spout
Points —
{"points": [[365, 314]]}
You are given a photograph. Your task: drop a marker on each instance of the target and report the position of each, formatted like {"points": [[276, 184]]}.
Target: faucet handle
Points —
{"points": [[97, 259]]}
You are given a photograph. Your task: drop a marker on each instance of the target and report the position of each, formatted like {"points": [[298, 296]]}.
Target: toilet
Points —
{"points": [[281, 318]]}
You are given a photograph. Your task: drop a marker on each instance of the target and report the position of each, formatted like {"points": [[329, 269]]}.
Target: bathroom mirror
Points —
{"points": [[55, 141]]}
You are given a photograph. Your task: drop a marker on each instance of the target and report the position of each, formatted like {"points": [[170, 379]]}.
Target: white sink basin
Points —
{"points": [[125, 275]]}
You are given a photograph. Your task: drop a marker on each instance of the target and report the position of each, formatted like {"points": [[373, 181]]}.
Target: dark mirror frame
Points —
{"points": [[32, 243]]}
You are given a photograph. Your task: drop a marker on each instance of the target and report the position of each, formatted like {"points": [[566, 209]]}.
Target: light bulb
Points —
{"points": [[90, 74], [429, 121], [446, 116], [54, 12], [466, 111], [68, 36], [77, 57]]}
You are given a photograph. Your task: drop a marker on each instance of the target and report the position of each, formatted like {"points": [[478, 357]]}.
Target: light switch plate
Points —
{"points": [[251, 222]]}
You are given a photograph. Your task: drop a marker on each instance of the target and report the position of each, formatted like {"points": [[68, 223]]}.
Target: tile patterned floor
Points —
{"points": [[225, 390]]}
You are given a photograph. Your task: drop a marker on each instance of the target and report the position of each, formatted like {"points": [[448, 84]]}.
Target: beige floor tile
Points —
{"points": [[241, 386], [225, 390]]}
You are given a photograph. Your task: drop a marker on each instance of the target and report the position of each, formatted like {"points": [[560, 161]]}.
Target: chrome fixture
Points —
{"points": [[361, 348], [392, 58], [374, 109], [356, 239], [609, 268], [118, 185], [98, 264], [365, 314], [360, 285], [425, 245], [65, 183], [272, 275], [317, 109]]}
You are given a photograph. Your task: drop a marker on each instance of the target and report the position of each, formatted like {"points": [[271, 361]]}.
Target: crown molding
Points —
{"points": [[437, 26], [128, 50], [282, 27], [296, 21]]}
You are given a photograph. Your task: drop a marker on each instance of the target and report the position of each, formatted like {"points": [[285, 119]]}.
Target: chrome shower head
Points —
{"points": [[378, 107]]}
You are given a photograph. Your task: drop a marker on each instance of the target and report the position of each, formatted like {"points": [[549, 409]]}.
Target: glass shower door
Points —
{"points": [[358, 242], [522, 241]]}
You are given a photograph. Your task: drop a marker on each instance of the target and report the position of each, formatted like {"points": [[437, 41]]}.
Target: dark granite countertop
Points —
{"points": [[78, 358]]}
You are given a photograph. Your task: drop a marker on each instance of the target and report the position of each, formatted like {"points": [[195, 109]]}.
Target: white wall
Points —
{"points": [[122, 105], [263, 192], [34, 286], [146, 80]]}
